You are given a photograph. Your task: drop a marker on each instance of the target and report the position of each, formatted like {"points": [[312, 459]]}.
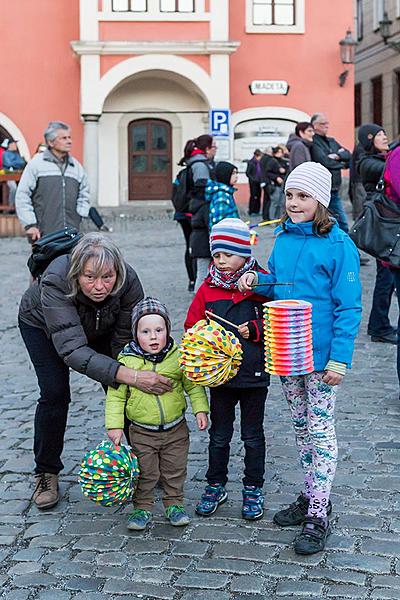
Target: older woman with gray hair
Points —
{"points": [[53, 192], [78, 316]]}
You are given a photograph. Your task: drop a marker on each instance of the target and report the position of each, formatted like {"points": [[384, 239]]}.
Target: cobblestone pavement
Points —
{"points": [[83, 551]]}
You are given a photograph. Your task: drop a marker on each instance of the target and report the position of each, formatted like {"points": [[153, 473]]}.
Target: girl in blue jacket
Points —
{"points": [[322, 263]]}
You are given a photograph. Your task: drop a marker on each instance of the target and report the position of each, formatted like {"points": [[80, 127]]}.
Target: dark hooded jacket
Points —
{"points": [[85, 334]]}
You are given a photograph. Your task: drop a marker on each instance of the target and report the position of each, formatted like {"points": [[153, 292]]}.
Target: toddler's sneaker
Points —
{"points": [[139, 519], [253, 503], [213, 496], [313, 536], [296, 512], [177, 515]]}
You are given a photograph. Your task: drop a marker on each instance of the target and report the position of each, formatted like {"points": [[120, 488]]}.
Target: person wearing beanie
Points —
{"points": [[158, 431], [370, 166], [320, 264], [219, 194], [231, 251]]}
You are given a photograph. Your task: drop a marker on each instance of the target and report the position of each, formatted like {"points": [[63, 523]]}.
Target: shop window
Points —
{"points": [[273, 16], [262, 134], [377, 104], [357, 105]]}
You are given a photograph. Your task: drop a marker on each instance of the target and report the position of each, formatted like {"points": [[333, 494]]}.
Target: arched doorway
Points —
{"points": [[150, 159]]}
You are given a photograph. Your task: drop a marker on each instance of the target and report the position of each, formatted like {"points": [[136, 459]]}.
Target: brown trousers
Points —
{"points": [[162, 456]]}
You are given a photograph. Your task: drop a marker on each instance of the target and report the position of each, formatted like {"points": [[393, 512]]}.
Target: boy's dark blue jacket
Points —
{"points": [[237, 307]]}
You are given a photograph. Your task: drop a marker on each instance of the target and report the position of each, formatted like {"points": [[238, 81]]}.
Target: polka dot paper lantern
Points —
{"points": [[210, 355], [108, 474], [288, 337]]}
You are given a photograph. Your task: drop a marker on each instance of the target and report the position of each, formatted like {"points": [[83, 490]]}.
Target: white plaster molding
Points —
{"points": [[158, 16], [206, 47], [16, 134], [268, 112], [220, 76], [88, 22], [90, 78], [219, 29], [154, 62], [298, 28]]}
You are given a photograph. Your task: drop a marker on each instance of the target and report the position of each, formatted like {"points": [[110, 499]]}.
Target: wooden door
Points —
{"points": [[150, 169]]}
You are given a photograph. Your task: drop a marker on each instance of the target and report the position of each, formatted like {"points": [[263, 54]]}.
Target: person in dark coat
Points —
{"points": [[254, 175], [299, 144], [327, 151], [271, 178], [78, 316], [374, 143]]}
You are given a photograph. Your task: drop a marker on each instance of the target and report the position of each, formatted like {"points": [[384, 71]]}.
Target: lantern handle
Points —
{"points": [[211, 315]]}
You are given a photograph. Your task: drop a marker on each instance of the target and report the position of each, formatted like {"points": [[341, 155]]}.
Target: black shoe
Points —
{"points": [[296, 512], [313, 537], [390, 338], [191, 286]]}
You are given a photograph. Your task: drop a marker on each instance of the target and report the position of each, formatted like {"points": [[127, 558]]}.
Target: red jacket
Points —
{"points": [[237, 307]]}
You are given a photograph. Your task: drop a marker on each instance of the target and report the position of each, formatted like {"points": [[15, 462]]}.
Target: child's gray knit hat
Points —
{"points": [[149, 306], [312, 178]]}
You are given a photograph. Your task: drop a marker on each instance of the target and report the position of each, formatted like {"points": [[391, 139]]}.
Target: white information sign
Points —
{"points": [[269, 86]]}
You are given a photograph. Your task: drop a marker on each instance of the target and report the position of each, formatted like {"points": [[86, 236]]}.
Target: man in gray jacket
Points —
{"points": [[53, 192]]}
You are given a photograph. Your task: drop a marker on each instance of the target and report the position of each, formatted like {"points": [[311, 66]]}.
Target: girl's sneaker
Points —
{"points": [[139, 519], [313, 537], [177, 515], [213, 496], [296, 512], [253, 503]]}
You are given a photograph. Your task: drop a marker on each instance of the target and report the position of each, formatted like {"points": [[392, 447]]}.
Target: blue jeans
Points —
{"points": [[378, 323], [336, 207], [222, 415]]}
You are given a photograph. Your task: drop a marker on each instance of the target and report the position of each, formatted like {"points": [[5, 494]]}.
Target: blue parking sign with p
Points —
{"points": [[219, 121]]}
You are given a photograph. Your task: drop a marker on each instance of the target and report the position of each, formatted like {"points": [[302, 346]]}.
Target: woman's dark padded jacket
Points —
{"points": [[370, 167], [78, 325]]}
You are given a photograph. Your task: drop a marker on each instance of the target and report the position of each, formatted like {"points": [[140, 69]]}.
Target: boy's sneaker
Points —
{"points": [[253, 503], [139, 519], [177, 515], [213, 496], [313, 537], [296, 512]]}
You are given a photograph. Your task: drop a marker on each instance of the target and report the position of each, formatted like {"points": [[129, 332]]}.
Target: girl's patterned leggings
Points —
{"points": [[312, 405]]}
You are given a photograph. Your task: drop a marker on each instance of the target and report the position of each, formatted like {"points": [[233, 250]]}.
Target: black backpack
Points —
{"points": [[48, 247], [182, 188]]}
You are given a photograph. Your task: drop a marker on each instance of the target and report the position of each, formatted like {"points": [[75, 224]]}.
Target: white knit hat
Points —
{"points": [[313, 178]]}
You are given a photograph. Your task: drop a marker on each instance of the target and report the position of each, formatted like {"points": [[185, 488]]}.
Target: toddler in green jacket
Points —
{"points": [[158, 431]]}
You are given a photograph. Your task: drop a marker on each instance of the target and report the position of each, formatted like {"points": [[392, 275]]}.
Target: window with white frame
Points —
{"points": [[129, 5], [275, 16], [378, 10], [360, 20], [177, 5]]}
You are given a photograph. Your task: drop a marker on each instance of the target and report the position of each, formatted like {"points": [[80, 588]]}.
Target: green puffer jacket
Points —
{"points": [[150, 409]]}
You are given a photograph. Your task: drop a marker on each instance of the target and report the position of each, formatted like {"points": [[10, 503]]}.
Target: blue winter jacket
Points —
{"points": [[324, 270], [222, 203]]}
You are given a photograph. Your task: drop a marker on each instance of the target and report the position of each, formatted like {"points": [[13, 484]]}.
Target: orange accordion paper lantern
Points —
{"points": [[288, 337], [210, 355]]}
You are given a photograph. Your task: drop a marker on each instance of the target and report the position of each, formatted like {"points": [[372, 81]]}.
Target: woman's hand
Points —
{"points": [[245, 282], [146, 381], [244, 330], [332, 378], [115, 435], [202, 420]]}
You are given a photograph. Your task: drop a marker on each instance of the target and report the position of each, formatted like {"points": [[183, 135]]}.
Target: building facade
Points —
{"points": [[137, 78], [377, 65]]}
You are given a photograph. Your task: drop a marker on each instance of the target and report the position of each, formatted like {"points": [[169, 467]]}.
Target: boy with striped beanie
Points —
{"points": [[219, 294]]}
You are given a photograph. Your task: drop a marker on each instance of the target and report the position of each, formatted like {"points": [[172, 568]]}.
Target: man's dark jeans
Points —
{"points": [[255, 197], [378, 323], [336, 207], [222, 412]]}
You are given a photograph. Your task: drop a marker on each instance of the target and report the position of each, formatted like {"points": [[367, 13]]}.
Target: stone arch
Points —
{"points": [[16, 134]]}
